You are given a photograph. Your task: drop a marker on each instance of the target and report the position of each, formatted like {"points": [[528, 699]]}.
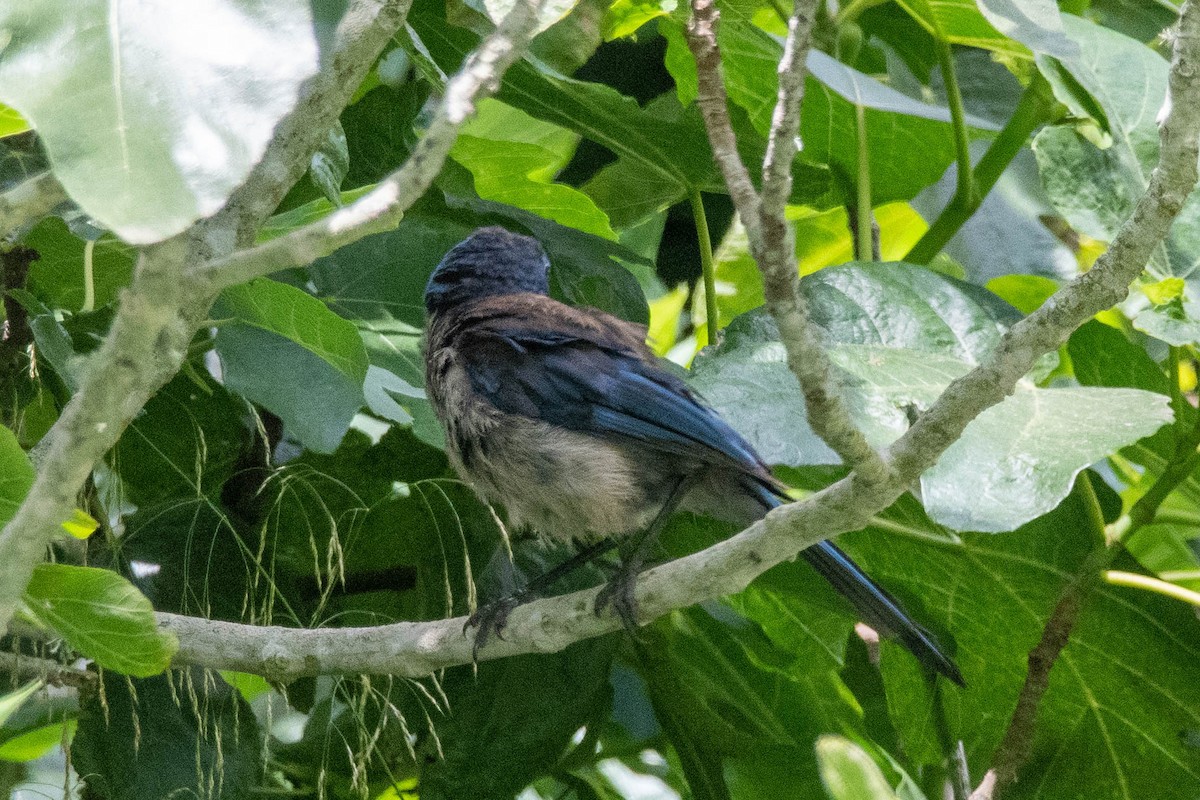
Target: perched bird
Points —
{"points": [[566, 418]]}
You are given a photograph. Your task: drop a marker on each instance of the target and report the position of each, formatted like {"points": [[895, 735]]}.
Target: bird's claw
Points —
{"points": [[492, 618], [619, 593]]}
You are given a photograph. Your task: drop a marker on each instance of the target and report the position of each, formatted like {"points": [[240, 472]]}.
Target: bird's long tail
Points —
{"points": [[877, 608]]}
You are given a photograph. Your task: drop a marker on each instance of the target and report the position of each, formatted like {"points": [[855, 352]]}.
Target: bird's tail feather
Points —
{"points": [[878, 608]]}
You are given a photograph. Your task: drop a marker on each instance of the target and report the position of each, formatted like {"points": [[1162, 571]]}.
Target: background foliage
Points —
{"points": [[293, 473]]}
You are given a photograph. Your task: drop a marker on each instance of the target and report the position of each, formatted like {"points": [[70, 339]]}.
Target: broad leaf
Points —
{"points": [[283, 334], [156, 130], [101, 615], [899, 336], [849, 773], [1125, 687], [510, 720], [1095, 189]]}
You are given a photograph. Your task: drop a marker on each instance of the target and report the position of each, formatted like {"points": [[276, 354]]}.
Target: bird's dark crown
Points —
{"points": [[489, 262]]}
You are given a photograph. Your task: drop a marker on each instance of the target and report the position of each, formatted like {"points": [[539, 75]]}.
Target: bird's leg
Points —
{"points": [[490, 618], [619, 591]]}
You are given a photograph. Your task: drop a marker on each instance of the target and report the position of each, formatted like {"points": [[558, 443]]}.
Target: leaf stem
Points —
{"points": [[707, 266], [864, 235], [965, 193], [1151, 584], [1032, 110]]}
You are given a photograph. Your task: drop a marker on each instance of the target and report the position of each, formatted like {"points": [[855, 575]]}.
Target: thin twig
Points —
{"points": [[714, 108], [382, 208]]}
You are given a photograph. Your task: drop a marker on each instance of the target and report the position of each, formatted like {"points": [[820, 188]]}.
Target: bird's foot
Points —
{"points": [[491, 618], [619, 593]]}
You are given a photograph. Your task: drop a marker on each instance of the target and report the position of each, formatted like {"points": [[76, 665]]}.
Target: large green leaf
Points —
{"points": [[293, 355], [155, 130], [672, 148], [732, 694], [898, 336], [187, 441], [1002, 26], [1120, 696], [186, 734], [1095, 189], [849, 773], [910, 142], [101, 615], [59, 277]]}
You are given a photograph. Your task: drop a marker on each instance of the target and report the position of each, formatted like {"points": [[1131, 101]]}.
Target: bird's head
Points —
{"points": [[491, 261]]}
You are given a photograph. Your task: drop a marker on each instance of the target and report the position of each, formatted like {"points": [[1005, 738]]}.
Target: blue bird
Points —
{"points": [[567, 419]]}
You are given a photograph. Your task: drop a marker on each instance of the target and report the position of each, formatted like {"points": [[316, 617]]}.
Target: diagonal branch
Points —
{"points": [[382, 208]]}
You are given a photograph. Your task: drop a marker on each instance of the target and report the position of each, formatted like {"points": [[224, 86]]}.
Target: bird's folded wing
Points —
{"points": [[580, 381]]}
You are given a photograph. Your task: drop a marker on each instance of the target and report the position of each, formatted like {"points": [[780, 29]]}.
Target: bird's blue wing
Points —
{"points": [[571, 379]]}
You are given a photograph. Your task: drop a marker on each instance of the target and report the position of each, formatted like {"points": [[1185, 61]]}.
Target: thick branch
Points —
{"points": [[382, 208], [415, 649], [162, 309], [29, 201]]}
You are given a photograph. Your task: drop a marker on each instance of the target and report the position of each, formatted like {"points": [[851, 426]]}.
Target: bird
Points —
{"points": [[565, 418]]}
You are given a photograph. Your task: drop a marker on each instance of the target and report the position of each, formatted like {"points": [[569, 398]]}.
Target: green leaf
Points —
{"points": [[1124, 688], [1095, 189], [284, 332], [849, 773], [731, 693], [895, 122], [11, 701], [151, 138], [675, 149], [101, 615], [624, 17], [186, 734], [1034, 23], [514, 158], [996, 25], [11, 122], [16, 475], [1026, 451], [34, 744], [187, 442], [58, 277], [330, 163], [898, 336]]}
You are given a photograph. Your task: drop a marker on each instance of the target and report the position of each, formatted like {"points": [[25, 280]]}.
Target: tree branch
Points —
{"points": [[772, 242], [714, 107], [419, 648], [382, 208], [162, 309], [29, 201]]}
